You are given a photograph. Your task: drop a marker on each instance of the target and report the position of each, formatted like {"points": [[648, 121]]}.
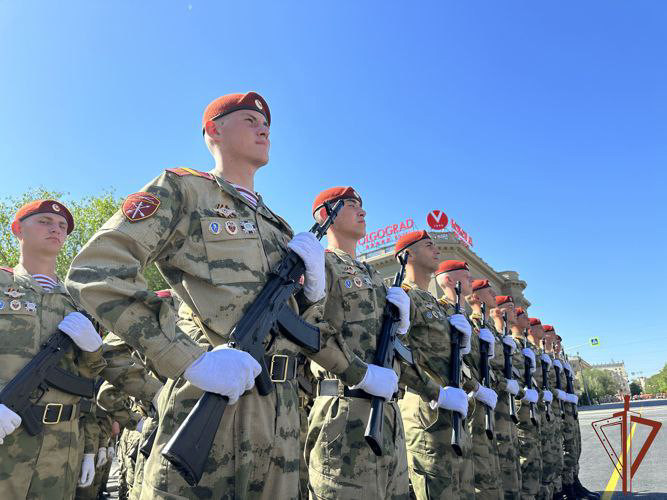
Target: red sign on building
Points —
{"points": [[437, 220]]}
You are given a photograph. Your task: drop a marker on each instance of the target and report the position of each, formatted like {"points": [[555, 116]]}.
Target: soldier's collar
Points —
{"points": [[232, 191], [25, 279]]}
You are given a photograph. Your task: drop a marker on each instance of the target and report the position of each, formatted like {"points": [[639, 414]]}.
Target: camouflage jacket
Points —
{"points": [[28, 317], [212, 246]]}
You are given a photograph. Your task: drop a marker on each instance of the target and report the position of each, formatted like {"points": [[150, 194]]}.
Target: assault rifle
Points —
{"points": [[41, 372], [507, 369], [486, 376], [559, 386], [545, 381], [269, 314], [528, 376], [388, 345], [455, 376], [570, 389]]}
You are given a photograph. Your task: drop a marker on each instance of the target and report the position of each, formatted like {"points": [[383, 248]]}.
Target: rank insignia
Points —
{"points": [[348, 283], [30, 307], [248, 227], [225, 211], [2, 305], [214, 228], [140, 206], [14, 293], [358, 282], [15, 305], [231, 227]]}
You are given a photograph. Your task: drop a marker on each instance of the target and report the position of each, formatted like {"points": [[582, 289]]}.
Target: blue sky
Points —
{"points": [[540, 127]]}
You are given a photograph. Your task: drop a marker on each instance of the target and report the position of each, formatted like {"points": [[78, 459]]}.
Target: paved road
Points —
{"points": [[650, 482]]}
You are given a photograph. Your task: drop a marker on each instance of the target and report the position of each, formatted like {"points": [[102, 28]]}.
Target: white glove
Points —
{"points": [[379, 381], [111, 452], [547, 396], [486, 335], [101, 457], [530, 395], [453, 399], [460, 322], [308, 247], [9, 422], [572, 398], [397, 296], [486, 396], [567, 367], [225, 371], [81, 331], [512, 386], [527, 352], [87, 470], [561, 395], [558, 364], [508, 340], [546, 359]]}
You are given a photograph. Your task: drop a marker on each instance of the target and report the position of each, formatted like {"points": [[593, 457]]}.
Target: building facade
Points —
{"points": [[618, 372]]}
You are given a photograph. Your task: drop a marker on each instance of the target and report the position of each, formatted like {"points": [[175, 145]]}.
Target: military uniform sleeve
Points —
{"points": [[106, 278], [104, 422], [334, 355], [91, 432]]}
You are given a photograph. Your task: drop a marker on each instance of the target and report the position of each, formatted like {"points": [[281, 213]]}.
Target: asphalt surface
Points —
{"points": [[596, 469]]}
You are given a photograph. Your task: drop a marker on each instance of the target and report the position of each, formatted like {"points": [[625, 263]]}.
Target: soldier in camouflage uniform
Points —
{"points": [[530, 451], [33, 306], [435, 470], [215, 242], [97, 430], [340, 462], [484, 472]]}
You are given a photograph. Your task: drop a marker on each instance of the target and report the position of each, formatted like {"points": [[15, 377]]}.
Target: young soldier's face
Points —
{"points": [[508, 307], [449, 280], [43, 233], [523, 321], [425, 254], [351, 220], [488, 296], [244, 135], [537, 332]]}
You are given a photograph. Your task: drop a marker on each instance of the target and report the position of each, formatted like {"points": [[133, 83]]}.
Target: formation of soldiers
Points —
{"points": [[479, 432]]}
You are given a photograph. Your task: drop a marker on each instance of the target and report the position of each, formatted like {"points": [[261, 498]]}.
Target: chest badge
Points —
{"points": [[248, 227], [350, 270], [348, 283], [214, 228], [368, 281], [14, 293], [15, 305], [30, 307], [2, 305], [358, 282], [429, 314], [231, 227], [225, 211]]}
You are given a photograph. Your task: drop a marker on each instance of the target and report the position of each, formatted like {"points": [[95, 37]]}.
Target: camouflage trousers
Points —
{"points": [[552, 453], [577, 433], [570, 445], [435, 470], [139, 465], [340, 462], [508, 452], [127, 455], [530, 453], [255, 453], [47, 465], [486, 464]]}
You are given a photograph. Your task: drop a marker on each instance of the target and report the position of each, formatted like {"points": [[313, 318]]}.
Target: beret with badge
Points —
{"points": [[409, 239], [43, 207], [235, 102], [447, 266], [334, 194]]}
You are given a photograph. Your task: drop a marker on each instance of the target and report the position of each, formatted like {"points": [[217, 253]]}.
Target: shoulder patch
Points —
{"points": [[140, 206], [181, 171], [7, 269]]}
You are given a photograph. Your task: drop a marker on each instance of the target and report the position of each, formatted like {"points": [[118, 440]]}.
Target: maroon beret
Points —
{"points": [[548, 328], [503, 299], [334, 194], [480, 284], [534, 321], [519, 311], [409, 239], [235, 102], [44, 207], [451, 265], [164, 294]]}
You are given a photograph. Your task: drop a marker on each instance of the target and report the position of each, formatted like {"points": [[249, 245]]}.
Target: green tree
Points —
{"points": [[89, 214], [601, 383], [658, 382], [635, 389]]}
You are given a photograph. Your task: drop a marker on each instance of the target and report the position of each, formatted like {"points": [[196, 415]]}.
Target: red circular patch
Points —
{"points": [[139, 206], [437, 220]]}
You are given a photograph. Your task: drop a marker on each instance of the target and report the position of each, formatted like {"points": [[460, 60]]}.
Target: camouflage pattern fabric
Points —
{"points": [[99, 426], [46, 465], [340, 462], [435, 470], [215, 250], [570, 446], [128, 450], [140, 463], [553, 452]]}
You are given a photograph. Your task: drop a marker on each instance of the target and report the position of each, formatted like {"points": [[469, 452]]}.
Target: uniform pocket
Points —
{"points": [[18, 328], [233, 249]]}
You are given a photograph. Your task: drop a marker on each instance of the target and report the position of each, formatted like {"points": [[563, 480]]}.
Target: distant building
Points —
{"points": [[619, 373]]}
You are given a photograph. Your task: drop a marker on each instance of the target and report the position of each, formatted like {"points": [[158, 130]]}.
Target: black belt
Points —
{"points": [[281, 367], [54, 413], [330, 388]]}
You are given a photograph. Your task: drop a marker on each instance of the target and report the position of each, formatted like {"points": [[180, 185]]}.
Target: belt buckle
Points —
{"points": [[273, 360], [46, 411]]}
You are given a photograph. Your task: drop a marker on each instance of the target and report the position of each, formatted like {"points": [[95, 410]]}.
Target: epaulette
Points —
{"points": [[7, 269], [181, 171], [406, 287]]}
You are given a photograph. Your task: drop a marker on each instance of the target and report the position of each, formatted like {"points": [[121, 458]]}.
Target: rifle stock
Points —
{"points": [[507, 352]]}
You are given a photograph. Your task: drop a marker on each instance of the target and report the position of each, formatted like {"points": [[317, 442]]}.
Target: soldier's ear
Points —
{"points": [[16, 228], [212, 129]]}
